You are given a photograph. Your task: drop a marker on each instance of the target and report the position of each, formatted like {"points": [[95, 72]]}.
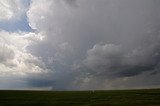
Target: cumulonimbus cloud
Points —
{"points": [[93, 44]]}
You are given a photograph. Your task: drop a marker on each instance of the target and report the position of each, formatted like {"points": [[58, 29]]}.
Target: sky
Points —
{"points": [[79, 44]]}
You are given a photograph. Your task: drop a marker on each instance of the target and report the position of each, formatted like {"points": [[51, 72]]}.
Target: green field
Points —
{"points": [[81, 98]]}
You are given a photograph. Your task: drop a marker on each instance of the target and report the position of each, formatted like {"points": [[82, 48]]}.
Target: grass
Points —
{"points": [[150, 97]]}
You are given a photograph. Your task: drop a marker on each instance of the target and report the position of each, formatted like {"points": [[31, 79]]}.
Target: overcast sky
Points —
{"points": [[79, 44]]}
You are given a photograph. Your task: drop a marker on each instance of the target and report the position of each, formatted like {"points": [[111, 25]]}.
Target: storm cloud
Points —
{"points": [[90, 44]]}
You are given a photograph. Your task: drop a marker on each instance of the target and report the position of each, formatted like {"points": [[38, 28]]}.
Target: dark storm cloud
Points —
{"points": [[71, 2], [113, 61], [40, 82], [89, 42]]}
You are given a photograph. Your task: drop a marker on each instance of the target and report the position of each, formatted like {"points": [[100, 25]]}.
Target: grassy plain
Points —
{"points": [[145, 97]]}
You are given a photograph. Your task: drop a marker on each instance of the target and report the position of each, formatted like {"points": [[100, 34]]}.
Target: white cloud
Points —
{"points": [[38, 12], [11, 9], [14, 58]]}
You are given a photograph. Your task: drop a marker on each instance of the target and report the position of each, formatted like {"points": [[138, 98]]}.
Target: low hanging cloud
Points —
{"points": [[110, 60]]}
